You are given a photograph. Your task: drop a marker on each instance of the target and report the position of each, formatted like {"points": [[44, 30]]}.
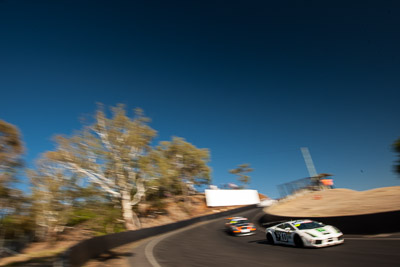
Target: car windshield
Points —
{"points": [[239, 222], [308, 225]]}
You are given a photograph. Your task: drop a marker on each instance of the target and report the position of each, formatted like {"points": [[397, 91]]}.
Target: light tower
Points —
{"points": [[309, 163]]}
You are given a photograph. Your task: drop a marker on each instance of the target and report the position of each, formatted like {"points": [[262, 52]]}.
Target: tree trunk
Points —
{"points": [[130, 219], [136, 220]]}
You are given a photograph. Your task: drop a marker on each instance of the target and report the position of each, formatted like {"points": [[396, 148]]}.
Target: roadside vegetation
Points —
{"points": [[105, 178]]}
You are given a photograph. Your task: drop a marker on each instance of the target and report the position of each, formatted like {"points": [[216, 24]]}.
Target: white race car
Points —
{"points": [[304, 233]]}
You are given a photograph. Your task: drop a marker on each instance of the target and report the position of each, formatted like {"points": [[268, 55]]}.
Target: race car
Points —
{"points": [[304, 233], [240, 226]]}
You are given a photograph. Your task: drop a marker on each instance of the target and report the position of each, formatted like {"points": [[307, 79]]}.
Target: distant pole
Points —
{"points": [[309, 163]]}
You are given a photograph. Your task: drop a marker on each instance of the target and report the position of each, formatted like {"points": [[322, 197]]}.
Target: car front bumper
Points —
{"points": [[319, 243], [245, 233]]}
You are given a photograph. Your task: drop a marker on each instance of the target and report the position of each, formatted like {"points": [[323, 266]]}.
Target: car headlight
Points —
{"points": [[311, 234]]}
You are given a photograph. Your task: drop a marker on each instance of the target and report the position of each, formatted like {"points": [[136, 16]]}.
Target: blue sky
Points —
{"points": [[253, 81]]}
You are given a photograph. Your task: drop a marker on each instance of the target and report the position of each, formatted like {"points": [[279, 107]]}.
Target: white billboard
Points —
{"points": [[220, 197]]}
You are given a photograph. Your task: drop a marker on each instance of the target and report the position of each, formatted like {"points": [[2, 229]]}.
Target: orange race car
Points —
{"points": [[240, 226]]}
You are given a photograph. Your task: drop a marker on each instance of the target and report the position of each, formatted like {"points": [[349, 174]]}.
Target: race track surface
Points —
{"points": [[209, 245]]}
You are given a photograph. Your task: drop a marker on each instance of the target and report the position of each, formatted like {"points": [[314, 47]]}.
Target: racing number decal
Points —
{"points": [[281, 236]]}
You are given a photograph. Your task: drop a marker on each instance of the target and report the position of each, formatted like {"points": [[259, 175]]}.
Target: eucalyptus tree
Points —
{"points": [[241, 171], [107, 153], [52, 198], [11, 199], [178, 165], [11, 149]]}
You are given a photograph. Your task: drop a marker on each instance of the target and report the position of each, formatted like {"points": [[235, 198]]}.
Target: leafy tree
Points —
{"points": [[107, 153], [178, 165], [52, 198], [11, 149], [396, 147], [242, 170], [11, 199]]}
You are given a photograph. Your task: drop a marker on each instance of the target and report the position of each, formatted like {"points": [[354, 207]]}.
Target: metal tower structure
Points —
{"points": [[309, 163]]}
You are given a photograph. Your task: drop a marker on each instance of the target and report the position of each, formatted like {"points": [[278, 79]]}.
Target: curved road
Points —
{"points": [[209, 245]]}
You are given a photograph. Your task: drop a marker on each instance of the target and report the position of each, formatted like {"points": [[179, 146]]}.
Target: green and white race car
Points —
{"points": [[304, 233]]}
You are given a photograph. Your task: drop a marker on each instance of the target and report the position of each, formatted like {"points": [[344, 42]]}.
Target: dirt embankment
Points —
{"points": [[339, 202], [176, 209]]}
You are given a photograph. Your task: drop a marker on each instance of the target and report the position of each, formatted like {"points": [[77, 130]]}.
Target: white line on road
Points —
{"points": [[150, 246], [371, 238]]}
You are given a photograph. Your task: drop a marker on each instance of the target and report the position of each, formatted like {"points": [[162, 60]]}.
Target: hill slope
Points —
{"points": [[339, 202]]}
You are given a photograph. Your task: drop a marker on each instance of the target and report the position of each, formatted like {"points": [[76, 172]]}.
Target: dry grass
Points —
{"points": [[339, 202], [176, 208]]}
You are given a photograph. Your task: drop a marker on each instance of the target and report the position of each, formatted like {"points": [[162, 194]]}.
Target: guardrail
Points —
{"points": [[374, 223], [80, 253]]}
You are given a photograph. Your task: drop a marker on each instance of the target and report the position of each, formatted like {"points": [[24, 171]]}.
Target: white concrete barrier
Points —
{"points": [[220, 197]]}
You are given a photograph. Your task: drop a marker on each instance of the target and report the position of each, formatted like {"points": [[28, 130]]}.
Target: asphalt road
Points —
{"points": [[209, 245]]}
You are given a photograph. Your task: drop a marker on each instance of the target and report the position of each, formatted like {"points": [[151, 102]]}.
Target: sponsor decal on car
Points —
{"points": [[281, 236]]}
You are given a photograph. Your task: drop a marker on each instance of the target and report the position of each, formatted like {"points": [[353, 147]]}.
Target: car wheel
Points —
{"points": [[298, 241], [270, 239]]}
